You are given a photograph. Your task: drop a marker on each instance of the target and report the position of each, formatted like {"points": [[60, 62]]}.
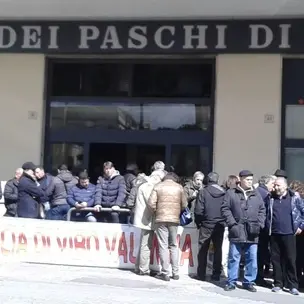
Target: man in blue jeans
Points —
{"points": [[244, 212]]}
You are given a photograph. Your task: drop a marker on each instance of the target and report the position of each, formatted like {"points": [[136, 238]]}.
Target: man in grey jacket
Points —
{"points": [[57, 191], [11, 194]]}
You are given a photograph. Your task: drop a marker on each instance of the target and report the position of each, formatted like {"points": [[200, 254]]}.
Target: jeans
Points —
{"points": [[251, 265], [58, 213], [84, 217], [110, 217], [166, 235]]}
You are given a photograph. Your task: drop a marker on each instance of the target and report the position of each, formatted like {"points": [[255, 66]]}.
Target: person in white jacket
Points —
{"points": [[143, 219]]}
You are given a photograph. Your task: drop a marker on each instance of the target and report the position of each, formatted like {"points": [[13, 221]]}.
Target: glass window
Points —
{"points": [[106, 80], [294, 163], [67, 153], [172, 80], [79, 79], [132, 117], [294, 122], [189, 159], [293, 80], [66, 80]]}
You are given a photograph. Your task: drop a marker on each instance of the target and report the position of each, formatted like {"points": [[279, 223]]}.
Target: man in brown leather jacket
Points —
{"points": [[167, 200]]}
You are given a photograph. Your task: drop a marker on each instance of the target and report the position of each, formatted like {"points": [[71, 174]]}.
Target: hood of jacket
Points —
{"points": [[66, 176], [140, 180], [116, 173], [215, 190]]}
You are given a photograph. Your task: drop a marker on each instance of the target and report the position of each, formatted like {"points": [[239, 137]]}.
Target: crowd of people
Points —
{"points": [[265, 220]]}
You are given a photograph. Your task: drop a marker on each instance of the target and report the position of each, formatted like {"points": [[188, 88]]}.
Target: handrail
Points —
{"points": [[92, 209]]}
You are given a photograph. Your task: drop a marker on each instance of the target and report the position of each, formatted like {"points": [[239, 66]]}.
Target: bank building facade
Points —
{"points": [[202, 85]]}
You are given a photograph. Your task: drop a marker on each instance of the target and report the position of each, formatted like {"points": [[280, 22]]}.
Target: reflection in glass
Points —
{"points": [[132, 117], [69, 154], [172, 80], [90, 79], [294, 121], [294, 163], [188, 159]]}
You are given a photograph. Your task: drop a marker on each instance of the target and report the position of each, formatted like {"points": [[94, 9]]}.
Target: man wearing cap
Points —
{"points": [[244, 212], [280, 173], [30, 193]]}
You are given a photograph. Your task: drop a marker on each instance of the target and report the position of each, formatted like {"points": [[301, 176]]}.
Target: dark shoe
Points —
{"points": [[229, 287], [215, 277], [200, 278], [175, 277], [162, 277], [262, 283], [250, 287], [153, 274], [143, 273]]}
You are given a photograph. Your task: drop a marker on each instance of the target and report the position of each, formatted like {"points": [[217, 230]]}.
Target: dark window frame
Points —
{"points": [[131, 63], [205, 138], [287, 142]]}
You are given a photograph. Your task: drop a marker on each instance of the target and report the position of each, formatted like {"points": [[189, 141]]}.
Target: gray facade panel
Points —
{"points": [[138, 9]]}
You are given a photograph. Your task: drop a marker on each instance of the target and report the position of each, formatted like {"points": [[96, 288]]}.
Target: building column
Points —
{"points": [[248, 93], [22, 111]]}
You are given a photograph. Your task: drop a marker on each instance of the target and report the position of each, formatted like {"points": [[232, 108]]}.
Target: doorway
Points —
{"points": [[121, 155]]}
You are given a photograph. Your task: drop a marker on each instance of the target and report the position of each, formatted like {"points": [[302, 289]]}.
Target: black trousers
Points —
{"points": [[283, 256], [206, 235], [263, 253], [300, 253]]}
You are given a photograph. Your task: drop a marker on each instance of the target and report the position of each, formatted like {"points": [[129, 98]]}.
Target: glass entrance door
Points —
{"points": [[121, 155], [185, 158], [70, 154]]}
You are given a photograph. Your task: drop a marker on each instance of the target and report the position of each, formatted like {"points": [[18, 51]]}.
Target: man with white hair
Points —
{"points": [[143, 219], [11, 194], [285, 220], [158, 165]]}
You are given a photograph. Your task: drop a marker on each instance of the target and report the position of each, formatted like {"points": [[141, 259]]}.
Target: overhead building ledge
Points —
{"points": [[149, 9]]}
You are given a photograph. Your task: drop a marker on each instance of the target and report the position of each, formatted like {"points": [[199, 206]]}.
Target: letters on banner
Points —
{"points": [[90, 244]]}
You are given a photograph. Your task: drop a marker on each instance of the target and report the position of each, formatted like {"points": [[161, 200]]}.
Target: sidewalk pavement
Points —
{"points": [[35, 283]]}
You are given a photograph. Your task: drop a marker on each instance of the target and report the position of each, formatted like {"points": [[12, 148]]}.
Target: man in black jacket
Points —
{"points": [[30, 193], [210, 223], [244, 212], [11, 194], [266, 184]]}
